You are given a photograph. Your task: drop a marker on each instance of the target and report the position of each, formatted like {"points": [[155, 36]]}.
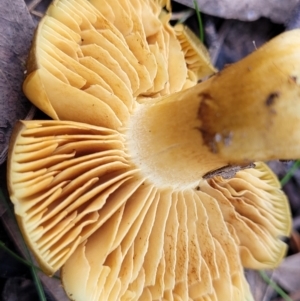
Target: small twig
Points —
{"points": [[215, 48], [37, 13], [32, 5]]}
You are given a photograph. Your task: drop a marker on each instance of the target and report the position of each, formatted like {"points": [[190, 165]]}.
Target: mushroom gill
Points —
{"points": [[115, 190]]}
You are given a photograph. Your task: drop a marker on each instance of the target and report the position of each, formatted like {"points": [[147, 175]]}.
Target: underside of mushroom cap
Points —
{"points": [[195, 53], [83, 205], [81, 201], [105, 56], [60, 175]]}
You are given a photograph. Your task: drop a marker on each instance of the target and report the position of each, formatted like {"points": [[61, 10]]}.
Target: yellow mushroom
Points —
{"points": [[126, 189]]}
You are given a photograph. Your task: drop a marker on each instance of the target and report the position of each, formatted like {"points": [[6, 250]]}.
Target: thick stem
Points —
{"points": [[251, 110], [248, 112], [166, 142]]}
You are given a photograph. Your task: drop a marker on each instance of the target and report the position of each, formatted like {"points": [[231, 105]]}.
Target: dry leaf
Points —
{"points": [[16, 31], [260, 289], [245, 10], [287, 275]]}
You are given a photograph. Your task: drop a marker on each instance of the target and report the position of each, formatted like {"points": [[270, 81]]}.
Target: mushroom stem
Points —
{"points": [[248, 112]]}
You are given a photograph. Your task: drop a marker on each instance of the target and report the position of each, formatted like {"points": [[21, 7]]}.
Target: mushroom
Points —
{"points": [[139, 188]]}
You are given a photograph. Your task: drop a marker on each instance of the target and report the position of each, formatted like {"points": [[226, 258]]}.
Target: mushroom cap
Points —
{"points": [[193, 50], [83, 205], [83, 55]]}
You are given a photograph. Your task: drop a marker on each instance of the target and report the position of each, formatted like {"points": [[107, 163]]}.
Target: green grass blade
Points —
{"points": [[201, 31], [34, 274], [278, 289], [290, 173], [38, 284], [20, 259], [14, 255]]}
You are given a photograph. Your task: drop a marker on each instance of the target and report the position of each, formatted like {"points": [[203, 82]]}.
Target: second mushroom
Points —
{"points": [[139, 188]]}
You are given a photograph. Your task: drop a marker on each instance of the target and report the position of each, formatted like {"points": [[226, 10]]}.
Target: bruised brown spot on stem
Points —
{"points": [[293, 79], [271, 98], [205, 114]]}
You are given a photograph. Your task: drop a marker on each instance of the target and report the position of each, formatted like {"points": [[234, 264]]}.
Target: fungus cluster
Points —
{"points": [[119, 190]]}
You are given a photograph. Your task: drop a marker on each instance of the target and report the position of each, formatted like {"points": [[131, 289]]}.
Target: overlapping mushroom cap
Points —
{"points": [[81, 196], [105, 64]]}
